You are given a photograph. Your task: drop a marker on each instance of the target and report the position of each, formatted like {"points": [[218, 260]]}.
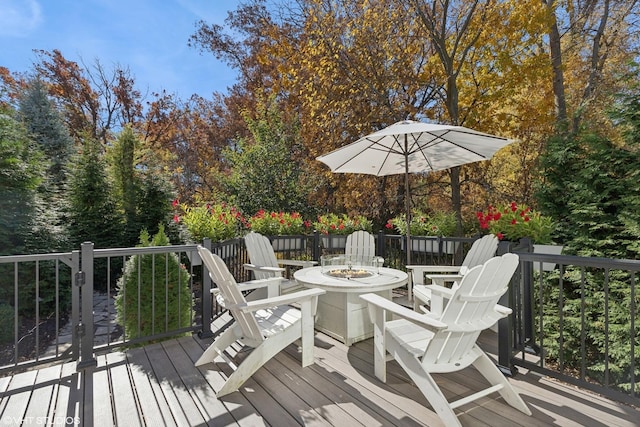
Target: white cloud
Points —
{"points": [[18, 18]]}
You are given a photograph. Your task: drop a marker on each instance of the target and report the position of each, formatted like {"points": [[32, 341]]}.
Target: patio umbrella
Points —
{"points": [[413, 147]]}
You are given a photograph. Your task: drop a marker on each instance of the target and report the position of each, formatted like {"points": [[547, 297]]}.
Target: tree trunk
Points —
{"points": [[558, 74]]}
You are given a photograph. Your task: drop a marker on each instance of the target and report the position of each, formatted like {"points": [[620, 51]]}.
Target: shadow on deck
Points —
{"points": [[158, 385]]}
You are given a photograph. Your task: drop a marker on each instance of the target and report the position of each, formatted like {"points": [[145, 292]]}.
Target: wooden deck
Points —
{"points": [[158, 385]]}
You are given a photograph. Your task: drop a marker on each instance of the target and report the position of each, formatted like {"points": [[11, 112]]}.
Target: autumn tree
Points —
{"points": [[94, 101], [292, 54], [591, 45], [189, 138], [228, 113]]}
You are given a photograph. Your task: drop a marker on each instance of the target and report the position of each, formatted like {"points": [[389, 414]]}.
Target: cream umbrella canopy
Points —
{"points": [[413, 147]]}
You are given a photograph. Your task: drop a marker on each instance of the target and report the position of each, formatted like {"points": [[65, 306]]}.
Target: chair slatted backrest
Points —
{"points": [[481, 251], [261, 253], [360, 245], [222, 277], [471, 309]]}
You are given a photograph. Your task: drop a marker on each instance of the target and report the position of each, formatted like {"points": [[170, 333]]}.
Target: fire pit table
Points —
{"points": [[341, 313]]}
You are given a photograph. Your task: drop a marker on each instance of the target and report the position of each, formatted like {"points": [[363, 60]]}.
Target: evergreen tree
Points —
{"points": [[22, 166], [153, 205], [628, 115], [121, 156], [93, 214], [142, 193], [21, 171], [46, 128], [591, 189]]}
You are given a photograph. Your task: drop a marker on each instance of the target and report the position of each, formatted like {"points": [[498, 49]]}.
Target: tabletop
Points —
{"points": [[384, 279]]}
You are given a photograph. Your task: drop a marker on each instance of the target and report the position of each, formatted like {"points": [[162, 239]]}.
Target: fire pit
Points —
{"points": [[350, 267]]}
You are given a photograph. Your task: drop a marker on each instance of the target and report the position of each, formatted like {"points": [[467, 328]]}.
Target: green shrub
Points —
{"points": [[7, 317], [153, 292]]}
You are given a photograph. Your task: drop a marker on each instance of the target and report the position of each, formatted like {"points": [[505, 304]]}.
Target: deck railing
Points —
{"points": [[577, 321], [42, 296]]}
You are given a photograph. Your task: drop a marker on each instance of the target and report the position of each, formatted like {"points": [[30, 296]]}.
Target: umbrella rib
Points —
{"points": [[475, 134], [439, 139], [387, 150]]}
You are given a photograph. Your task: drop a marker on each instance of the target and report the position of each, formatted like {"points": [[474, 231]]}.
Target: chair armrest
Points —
{"points": [[294, 297], [403, 312], [272, 284], [263, 268], [297, 262], [434, 268], [259, 283], [416, 273], [441, 279], [503, 311]]}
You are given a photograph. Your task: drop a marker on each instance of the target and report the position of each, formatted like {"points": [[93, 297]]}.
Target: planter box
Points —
{"points": [[194, 258], [334, 241], [225, 252], [430, 246], [546, 249], [288, 243]]}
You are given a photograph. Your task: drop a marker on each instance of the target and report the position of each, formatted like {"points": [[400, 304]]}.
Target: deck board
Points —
{"points": [[154, 407], [158, 385]]}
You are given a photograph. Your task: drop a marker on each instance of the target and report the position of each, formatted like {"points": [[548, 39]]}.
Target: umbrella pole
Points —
{"points": [[407, 201]]}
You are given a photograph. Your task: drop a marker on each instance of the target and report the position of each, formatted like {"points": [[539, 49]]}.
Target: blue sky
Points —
{"points": [[148, 36]]}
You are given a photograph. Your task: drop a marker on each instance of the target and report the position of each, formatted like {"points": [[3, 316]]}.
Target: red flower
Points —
{"points": [[175, 203], [176, 219]]}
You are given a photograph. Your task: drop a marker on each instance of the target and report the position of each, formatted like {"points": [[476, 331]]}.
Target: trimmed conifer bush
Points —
{"points": [[153, 292]]}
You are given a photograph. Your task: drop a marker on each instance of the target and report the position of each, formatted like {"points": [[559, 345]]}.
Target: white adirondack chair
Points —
{"points": [[427, 343], [265, 265], [480, 252], [361, 245], [267, 325]]}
